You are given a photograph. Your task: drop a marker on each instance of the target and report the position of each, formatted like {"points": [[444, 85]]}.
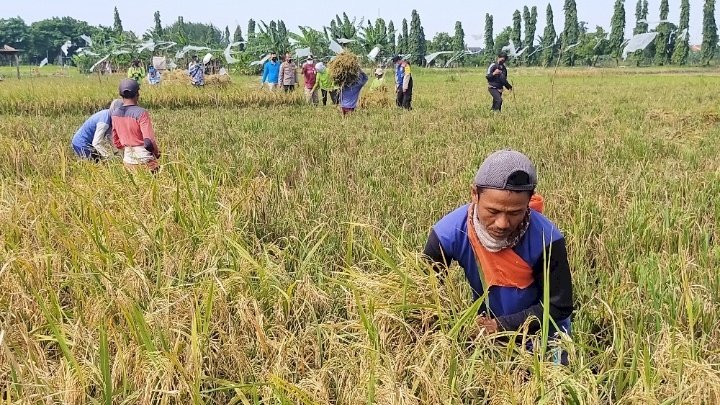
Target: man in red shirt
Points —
{"points": [[132, 130], [310, 74]]}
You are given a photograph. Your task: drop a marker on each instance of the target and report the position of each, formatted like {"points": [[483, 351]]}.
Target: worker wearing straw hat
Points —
{"points": [[504, 243]]}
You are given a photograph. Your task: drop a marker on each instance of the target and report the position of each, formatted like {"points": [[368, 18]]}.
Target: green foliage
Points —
{"points": [[158, 30], [530, 57], [662, 48], [392, 34], [489, 39], [682, 47], [516, 35], [458, 40], [117, 23], [416, 41], [311, 38], [15, 33], [617, 32], [403, 41], [710, 32], [571, 33], [549, 39], [592, 46]]}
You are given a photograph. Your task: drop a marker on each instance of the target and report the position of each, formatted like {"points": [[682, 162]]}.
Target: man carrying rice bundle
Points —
{"points": [[505, 245], [133, 131], [346, 73], [92, 141]]}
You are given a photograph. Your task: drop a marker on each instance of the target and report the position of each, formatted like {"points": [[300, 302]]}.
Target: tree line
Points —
{"points": [[575, 44]]}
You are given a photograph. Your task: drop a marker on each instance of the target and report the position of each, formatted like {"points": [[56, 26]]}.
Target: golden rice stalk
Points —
{"points": [[344, 69]]}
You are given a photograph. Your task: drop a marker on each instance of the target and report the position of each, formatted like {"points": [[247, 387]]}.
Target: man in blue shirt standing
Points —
{"points": [[271, 72]]}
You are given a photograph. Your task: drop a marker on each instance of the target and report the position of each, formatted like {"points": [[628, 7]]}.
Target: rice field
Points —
{"points": [[275, 257]]}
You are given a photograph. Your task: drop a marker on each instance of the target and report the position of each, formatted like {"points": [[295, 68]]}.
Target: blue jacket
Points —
{"points": [[349, 95], [271, 72], [84, 136], [542, 245]]}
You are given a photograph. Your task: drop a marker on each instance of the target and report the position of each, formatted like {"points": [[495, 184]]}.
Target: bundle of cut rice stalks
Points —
{"points": [[344, 69]]}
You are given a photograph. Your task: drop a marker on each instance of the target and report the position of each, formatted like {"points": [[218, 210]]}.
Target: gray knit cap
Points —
{"points": [[507, 170]]}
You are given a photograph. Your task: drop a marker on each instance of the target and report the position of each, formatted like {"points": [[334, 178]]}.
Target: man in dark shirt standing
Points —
{"points": [[497, 80], [505, 244]]}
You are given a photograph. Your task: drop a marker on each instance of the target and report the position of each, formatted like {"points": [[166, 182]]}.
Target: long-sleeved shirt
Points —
{"points": [[498, 81], [350, 94], [323, 81], [131, 126], [288, 74], [95, 133], [271, 72], [542, 246]]}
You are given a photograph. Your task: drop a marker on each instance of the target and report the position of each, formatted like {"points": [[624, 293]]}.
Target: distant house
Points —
{"points": [[695, 48], [474, 49]]}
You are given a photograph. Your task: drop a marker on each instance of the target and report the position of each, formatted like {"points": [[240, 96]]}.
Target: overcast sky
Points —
{"points": [[436, 15]]}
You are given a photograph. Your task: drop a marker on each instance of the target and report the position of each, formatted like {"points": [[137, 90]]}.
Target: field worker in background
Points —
{"points": [[288, 74], [350, 94], [403, 83], [197, 72], [503, 242], [325, 84], [271, 72], [153, 76], [497, 80], [379, 81], [133, 131], [310, 75], [93, 140], [136, 71]]}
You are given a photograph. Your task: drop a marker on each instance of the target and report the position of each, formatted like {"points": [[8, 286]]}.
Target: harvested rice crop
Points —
{"points": [[345, 69]]}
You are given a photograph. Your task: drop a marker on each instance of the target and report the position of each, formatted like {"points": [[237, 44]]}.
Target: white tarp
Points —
{"points": [[345, 41], [189, 48], [149, 45], [638, 43], [335, 47], [432, 56], [261, 61], [64, 48], [92, 68], [44, 62], [87, 40], [374, 53], [303, 52], [681, 36], [228, 56]]}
